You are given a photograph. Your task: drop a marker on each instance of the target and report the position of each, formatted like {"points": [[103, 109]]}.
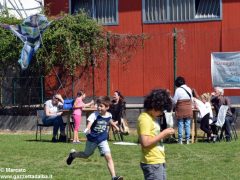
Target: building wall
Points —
{"points": [[55, 7], [152, 66]]}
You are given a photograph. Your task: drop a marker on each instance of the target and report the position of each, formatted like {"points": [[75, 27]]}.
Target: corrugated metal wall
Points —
{"points": [[152, 66]]}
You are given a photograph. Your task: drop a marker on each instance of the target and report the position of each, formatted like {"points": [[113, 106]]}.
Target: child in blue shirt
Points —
{"points": [[97, 134]]}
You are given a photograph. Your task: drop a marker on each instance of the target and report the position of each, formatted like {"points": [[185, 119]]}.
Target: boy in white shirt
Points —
{"points": [[97, 134]]}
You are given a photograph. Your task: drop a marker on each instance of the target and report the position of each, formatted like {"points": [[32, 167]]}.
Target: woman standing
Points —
{"points": [[183, 108]]}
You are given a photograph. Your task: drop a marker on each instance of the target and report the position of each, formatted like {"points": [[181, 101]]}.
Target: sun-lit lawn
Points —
{"points": [[20, 152]]}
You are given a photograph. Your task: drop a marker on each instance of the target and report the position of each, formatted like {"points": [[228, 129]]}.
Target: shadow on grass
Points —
{"points": [[43, 141]]}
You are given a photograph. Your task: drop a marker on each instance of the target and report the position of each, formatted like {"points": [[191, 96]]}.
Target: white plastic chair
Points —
{"points": [[221, 116], [221, 119], [169, 119]]}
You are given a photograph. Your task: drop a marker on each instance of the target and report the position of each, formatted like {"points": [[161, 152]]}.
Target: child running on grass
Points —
{"points": [[153, 156], [97, 135]]}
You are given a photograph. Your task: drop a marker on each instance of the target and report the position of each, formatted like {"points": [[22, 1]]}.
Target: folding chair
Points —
{"points": [[118, 136], [221, 120], [39, 123], [169, 124]]}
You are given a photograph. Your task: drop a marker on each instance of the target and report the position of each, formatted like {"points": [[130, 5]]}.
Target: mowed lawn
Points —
{"points": [[20, 152]]}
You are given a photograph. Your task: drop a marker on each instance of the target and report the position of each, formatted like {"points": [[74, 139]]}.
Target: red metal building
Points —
{"points": [[201, 27]]}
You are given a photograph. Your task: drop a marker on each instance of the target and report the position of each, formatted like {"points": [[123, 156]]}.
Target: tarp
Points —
{"points": [[225, 69], [30, 33]]}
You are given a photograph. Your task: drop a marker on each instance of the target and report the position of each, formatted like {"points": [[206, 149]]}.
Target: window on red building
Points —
{"points": [[104, 11], [163, 11]]}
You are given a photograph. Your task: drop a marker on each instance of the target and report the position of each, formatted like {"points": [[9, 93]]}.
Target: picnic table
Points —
{"points": [[68, 113]]}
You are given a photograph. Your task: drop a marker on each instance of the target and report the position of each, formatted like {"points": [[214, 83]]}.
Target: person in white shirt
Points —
{"points": [[53, 117], [183, 108], [206, 114]]}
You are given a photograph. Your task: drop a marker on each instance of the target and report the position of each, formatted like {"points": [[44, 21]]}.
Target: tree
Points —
{"points": [[10, 45], [70, 42]]}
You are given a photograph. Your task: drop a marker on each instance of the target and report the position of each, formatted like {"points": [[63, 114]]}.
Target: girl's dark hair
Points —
{"points": [[80, 93], [121, 99], [159, 100], [179, 81]]}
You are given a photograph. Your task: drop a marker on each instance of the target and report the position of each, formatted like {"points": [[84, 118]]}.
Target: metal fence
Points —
{"points": [[21, 90]]}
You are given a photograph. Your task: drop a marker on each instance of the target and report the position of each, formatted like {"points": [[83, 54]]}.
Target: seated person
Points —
{"points": [[217, 100], [117, 108], [53, 117], [206, 114]]}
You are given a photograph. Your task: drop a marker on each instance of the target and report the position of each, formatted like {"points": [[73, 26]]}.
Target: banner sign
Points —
{"points": [[225, 69]]}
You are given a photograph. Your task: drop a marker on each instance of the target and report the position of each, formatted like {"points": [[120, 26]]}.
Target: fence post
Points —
{"points": [[1, 90], [174, 56], [14, 93], [72, 86], [29, 96], [42, 88], [108, 64]]}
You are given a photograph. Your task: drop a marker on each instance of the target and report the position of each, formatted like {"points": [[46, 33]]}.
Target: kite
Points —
{"points": [[29, 32]]}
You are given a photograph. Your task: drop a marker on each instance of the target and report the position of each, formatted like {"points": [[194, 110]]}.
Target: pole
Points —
{"points": [[1, 90], [72, 86], [108, 64], [93, 71], [14, 93], [174, 56], [42, 89]]}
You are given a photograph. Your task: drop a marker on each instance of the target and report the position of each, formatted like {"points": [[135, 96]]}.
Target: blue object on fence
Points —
{"points": [[68, 104]]}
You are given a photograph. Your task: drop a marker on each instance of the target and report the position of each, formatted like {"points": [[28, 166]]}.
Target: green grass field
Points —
{"points": [[20, 152]]}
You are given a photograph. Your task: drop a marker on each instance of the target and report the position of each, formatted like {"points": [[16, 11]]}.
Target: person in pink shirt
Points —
{"points": [[77, 113]]}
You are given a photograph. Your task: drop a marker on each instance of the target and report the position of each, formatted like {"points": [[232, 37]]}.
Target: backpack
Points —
{"points": [[68, 104]]}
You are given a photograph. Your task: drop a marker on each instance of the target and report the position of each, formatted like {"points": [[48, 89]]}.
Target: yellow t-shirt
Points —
{"points": [[149, 127]]}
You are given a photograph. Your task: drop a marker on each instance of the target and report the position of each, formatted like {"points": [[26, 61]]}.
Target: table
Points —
{"points": [[194, 125], [68, 113]]}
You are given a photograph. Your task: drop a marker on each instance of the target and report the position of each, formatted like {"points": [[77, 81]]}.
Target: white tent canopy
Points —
{"points": [[21, 8]]}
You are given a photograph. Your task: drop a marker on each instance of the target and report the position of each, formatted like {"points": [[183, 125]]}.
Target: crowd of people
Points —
{"points": [[151, 134]]}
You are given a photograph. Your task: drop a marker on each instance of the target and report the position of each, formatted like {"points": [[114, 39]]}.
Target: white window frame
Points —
{"points": [[94, 14], [170, 13]]}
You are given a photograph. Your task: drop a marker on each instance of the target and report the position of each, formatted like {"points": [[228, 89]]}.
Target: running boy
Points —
{"points": [[153, 156], [97, 135]]}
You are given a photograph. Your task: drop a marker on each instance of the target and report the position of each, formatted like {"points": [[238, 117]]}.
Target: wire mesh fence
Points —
{"points": [[22, 90]]}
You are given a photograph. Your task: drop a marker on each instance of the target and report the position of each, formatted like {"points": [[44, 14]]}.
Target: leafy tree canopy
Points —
{"points": [[10, 45], [71, 41]]}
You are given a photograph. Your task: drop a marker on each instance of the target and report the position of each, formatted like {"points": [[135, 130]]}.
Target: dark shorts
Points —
{"points": [[154, 171]]}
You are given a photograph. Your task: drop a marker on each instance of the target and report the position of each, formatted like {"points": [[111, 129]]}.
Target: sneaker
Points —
{"points": [[180, 142], [54, 140], [76, 142], [70, 157], [187, 142], [62, 138], [228, 139], [117, 178], [214, 138]]}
